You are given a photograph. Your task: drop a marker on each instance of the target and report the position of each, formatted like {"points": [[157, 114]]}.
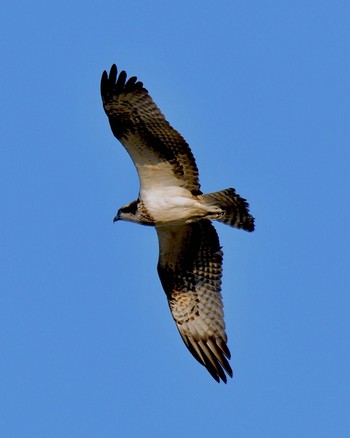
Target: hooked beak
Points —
{"points": [[116, 218]]}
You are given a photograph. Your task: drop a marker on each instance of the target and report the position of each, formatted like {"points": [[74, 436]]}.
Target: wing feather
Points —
{"points": [[161, 155], [190, 270]]}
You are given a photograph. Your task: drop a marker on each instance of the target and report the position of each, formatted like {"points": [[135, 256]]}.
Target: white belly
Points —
{"points": [[173, 204]]}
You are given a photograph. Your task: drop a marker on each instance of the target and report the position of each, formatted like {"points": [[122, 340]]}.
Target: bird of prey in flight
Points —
{"points": [[170, 199]]}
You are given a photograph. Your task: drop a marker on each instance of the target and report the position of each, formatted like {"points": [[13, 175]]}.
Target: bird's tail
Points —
{"points": [[234, 209]]}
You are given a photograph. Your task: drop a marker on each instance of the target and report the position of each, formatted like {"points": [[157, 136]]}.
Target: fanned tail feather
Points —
{"points": [[234, 208]]}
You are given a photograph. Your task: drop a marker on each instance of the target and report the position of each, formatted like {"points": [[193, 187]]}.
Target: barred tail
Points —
{"points": [[234, 209]]}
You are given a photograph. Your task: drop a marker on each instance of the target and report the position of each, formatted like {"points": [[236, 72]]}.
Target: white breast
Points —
{"points": [[173, 204]]}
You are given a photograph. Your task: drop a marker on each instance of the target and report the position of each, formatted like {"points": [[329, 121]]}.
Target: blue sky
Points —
{"points": [[260, 90]]}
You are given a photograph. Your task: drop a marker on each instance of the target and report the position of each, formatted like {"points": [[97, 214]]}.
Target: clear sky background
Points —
{"points": [[261, 91]]}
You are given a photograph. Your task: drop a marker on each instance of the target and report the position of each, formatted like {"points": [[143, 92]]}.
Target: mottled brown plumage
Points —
{"points": [[190, 270], [140, 126]]}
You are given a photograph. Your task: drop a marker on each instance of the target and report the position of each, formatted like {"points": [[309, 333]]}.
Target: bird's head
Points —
{"points": [[127, 213]]}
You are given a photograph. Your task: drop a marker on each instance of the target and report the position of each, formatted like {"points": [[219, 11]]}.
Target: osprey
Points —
{"points": [[170, 199]]}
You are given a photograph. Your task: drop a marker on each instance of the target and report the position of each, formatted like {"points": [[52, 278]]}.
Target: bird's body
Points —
{"points": [[176, 205], [170, 199]]}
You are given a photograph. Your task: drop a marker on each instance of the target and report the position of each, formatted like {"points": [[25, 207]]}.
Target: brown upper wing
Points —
{"points": [[162, 157], [190, 269]]}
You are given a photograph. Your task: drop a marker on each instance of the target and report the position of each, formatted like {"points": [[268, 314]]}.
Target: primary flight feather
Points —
{"points": [[170, 199]]}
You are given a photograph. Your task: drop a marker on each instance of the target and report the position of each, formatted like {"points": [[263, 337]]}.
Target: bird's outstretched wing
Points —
{"points": [[162, 157], [190, 270]]}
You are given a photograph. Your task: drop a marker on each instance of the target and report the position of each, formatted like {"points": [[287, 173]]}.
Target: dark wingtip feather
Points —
{"points": [[113, 74], [130, 82], [113, 84], [224, 348], [119, 85], [104, 85], [214, 361], [133, 84]]}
